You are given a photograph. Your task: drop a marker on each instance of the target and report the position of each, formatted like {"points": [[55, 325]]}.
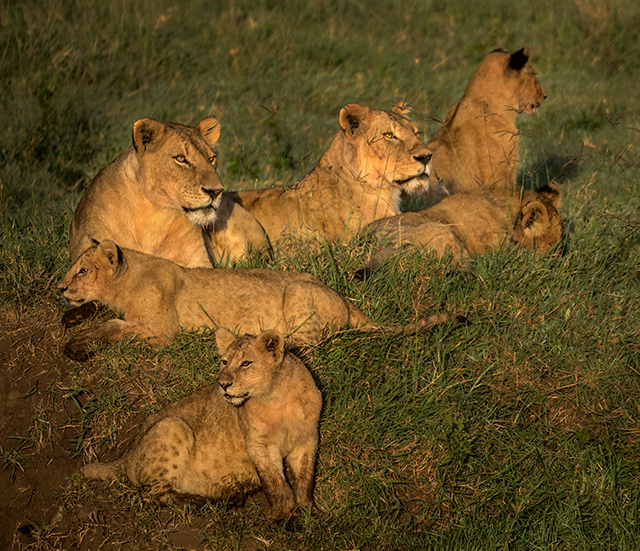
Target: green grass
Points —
{"points": [[518, 431]]}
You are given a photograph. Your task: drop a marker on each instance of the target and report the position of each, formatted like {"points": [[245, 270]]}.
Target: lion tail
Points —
{"points": [[358, 320]]}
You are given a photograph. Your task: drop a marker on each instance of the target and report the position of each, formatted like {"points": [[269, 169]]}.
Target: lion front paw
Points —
{"points": [[76, 349], [75, 316]]}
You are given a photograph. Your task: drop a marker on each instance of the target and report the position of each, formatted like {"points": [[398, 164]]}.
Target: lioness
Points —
{"points": [[374, 157], [476, 148], [465, 224], [157, 297], [233, 438], [160, 194]]}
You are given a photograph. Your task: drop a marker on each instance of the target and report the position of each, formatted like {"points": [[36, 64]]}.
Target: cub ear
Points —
{"points": [[145, 132], [111, 252], [352, 118], [272, 342], [517, 60], [535, 221], [551, 192], [224, 338], [210, 130]]}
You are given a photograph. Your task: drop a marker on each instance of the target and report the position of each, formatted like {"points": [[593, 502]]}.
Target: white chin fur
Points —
{"points": [[421, 184], [203, 218]]}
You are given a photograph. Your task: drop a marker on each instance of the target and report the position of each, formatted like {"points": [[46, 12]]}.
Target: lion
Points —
{"points": [[160, 195], [233, 438], [476, 148], [375, 157], [465, 224], [158, 297]]}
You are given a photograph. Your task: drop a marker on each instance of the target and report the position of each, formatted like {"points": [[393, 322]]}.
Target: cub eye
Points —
{"points": [[82, 272], [213, 160], [388, 136], [224, 363], [246, 364]]}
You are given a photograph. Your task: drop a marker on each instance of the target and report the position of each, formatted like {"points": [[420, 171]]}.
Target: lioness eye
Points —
{"points": [[82, 272], [180, 158], [224, 362], [213, 160], [388, 136], [245, 364]]}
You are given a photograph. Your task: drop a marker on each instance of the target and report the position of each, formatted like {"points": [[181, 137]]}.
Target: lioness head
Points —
{"points": [[249, 364], [539, 225], [508, 78], [388, 148], [91, 275], [177, 167]]}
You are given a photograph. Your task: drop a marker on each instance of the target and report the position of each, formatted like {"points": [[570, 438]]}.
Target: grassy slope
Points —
{"points": [[519, 431]]}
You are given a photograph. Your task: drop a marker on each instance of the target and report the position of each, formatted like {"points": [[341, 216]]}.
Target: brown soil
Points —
{"points": [[40, 421]]}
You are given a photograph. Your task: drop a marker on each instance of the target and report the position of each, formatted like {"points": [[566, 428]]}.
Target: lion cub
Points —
{"points": [[477, 146], [464, 224], [234, 438], [158, 297]]}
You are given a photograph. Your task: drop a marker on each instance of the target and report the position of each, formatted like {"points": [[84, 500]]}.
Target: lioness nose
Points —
{"points": [[225, 384], [213, 193], [424, 159], [62, 289]]}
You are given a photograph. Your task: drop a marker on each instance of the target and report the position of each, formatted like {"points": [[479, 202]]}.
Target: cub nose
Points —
{"points": [[424, 159], [62, 289], [213, 193], [225, 384]]}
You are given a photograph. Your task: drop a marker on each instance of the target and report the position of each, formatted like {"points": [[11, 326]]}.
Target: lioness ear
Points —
{"points": [[210, 130], [352, 117], [517, 60], [224, 338], [551, 192], [111, 252], [145, 132], [273, 343]]}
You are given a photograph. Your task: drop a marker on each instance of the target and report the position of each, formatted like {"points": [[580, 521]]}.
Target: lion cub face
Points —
{"points": [[249, 366], [388, 147], [177, 167], [91, 275], [510, 79]]}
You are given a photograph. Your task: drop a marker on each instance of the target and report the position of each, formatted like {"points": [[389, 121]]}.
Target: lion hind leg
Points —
{"points": [[162, 459], [101, 471]]}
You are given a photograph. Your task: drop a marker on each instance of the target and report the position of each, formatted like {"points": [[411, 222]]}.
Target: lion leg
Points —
{"points": [[301, 462], [311, 310], [269, 466], [161, 459], [101, 471], [112, 331], [77, 315]]}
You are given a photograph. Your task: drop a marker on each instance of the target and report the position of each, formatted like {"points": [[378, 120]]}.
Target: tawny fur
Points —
{"points": [[375, 157], [465, 224], [476, 148], [158, 297], [161, 196], [234, 438]]}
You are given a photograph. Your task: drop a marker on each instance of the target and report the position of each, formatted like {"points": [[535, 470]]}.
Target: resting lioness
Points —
{"points": [[158, 297], [375, 157], [465, 224], [160, 194], [233, 438], [476, 148]]}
